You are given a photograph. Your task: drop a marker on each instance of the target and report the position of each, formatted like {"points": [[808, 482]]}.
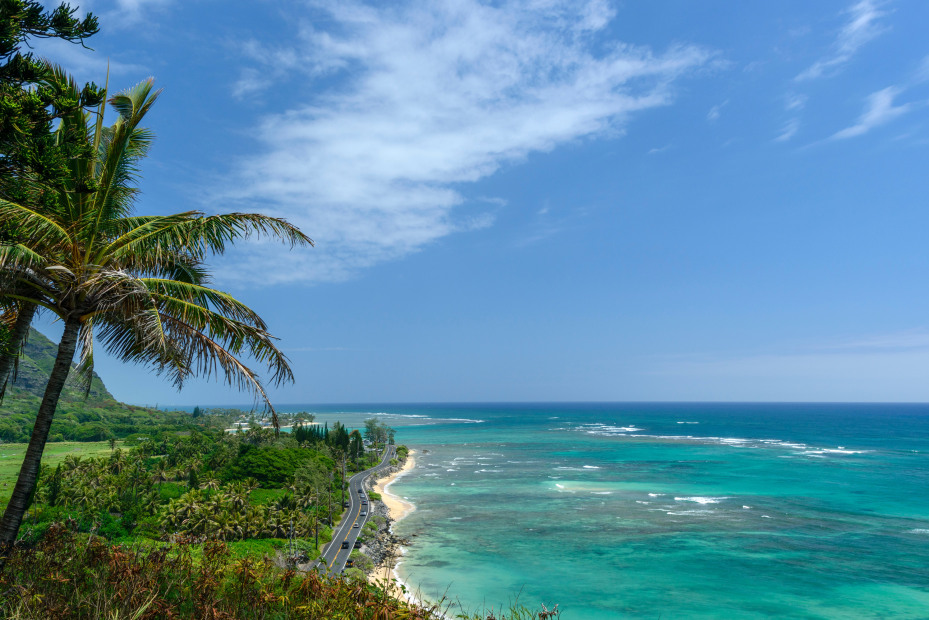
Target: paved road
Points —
{"points": [[335, 556]]}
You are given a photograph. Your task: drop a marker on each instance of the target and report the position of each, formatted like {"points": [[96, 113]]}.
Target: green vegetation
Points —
{"points": [[93, 579], [11, 457], [96, 417], [170, 521], [137, 284]]}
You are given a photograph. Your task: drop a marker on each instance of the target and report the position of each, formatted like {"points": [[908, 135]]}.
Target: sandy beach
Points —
{"points": [[398, 508]]}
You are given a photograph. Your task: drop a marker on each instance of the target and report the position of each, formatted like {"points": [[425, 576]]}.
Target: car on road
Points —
{"points": [[349, 563], [363, 513], [356, 525], [345, 544]]}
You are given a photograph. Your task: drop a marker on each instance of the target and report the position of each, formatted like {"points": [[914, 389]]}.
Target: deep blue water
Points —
{"points": [[667, 510]]}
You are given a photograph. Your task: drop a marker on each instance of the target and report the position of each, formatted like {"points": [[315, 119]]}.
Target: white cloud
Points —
{"points": [[861, 27], [789, 131], [909, 339], [715, 111], [922, 73], [795, 102], [877, 367], [116, 13], [878, 111], [86, 65], [887, 376], [420, 100]]}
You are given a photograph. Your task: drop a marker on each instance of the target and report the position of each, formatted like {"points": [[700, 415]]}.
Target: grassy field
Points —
{"points": [[11, 458]]}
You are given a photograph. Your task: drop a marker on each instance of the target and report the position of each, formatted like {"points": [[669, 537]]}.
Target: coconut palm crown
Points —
{"points": [[135, 284]]}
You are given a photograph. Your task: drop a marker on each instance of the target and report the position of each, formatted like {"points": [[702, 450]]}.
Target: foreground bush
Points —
{"points": [[73, 576]]}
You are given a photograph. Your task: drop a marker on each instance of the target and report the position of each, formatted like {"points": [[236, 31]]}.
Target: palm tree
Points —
{"points": [[138, 282]]}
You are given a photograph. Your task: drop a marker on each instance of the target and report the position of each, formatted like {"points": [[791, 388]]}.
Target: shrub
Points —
{"points": [[271, 466], [69, 577]]}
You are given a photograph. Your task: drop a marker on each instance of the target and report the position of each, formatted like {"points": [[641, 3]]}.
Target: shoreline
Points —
{"points": [[385, 574], [397, 507]]}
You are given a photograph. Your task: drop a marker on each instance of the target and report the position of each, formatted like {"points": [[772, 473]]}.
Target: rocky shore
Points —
{"points": [[386, 547]]}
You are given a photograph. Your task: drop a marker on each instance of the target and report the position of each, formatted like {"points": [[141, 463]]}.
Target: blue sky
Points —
{"points": [[551, 200]]}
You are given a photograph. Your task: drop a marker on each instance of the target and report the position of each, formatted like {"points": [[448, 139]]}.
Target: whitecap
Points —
{"points": [[655, 494], [601, 492], [560, 486], [700, 500], [747, 507], [919, 530], [591, 467]]}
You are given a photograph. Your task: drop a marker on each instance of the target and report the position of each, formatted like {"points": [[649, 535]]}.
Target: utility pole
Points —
{"points": [[343, 480]]}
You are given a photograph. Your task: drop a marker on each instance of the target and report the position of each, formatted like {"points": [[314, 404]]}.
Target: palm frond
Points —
{"points": [[30, 224]]}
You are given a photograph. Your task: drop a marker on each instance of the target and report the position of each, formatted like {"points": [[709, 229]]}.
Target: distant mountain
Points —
{"points": [[35, 366], [96, 417]]}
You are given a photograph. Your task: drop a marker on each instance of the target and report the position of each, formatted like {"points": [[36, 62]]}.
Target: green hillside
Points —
{"points": [[97, 417], [34, 367]]}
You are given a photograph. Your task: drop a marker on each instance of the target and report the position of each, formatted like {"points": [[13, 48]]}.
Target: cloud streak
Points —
{"points": [[862, 27], [879, 110], [421, 101]]}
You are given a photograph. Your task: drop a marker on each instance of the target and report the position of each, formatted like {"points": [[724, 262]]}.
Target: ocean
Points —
{"points": [[666, 510]]}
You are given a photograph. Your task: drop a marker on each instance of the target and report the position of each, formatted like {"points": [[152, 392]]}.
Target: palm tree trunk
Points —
{"points": [[9, 350], [29, 472]]}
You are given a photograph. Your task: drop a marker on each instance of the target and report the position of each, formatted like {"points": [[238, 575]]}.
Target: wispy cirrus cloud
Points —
{"points": [[417, 102], [879, 110], [118, 13], [863, 25], [917, 338], [884, 367], [789, 130], [716, 111]]}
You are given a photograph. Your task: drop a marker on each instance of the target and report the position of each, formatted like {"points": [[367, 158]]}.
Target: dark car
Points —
{"points": [[357, 544], [345, 544], [345, 504], [349, 563]]}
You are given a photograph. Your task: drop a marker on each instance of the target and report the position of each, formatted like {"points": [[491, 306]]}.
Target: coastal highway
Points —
{"points": [[335, 556]]}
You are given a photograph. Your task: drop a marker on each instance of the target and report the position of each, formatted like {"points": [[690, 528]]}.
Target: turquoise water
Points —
{"points": [[668, 510]]}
